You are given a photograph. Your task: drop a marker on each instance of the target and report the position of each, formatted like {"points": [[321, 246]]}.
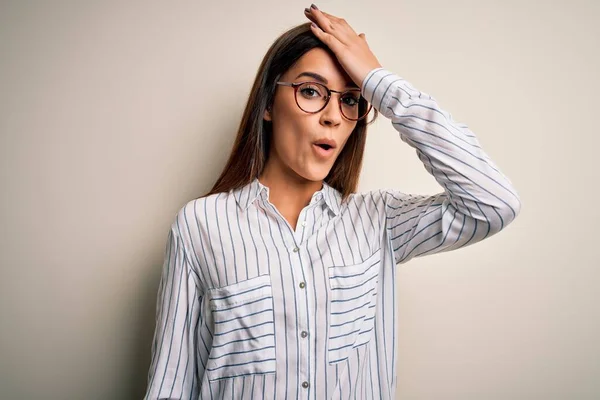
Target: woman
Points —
{"points": [[280, 282]]}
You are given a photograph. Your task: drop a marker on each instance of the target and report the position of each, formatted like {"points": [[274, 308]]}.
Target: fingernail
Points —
{"points": [[307, 10], [313, 6]]}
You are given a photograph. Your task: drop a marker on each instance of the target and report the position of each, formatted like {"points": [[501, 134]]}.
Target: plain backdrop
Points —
{"points": [[114, 114]]}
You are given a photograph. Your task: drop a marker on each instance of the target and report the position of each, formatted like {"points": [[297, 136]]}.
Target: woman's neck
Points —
{"points": [[289, 194]]}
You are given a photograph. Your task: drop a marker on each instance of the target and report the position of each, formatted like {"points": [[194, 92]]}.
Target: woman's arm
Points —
{"points": [[173, 370], [478, 199]]}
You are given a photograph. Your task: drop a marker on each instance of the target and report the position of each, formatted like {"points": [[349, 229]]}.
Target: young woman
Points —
{"points": [[280, 282]]}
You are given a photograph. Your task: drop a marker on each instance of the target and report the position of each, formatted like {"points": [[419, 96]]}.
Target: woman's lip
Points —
{"points": [[321, 152]]}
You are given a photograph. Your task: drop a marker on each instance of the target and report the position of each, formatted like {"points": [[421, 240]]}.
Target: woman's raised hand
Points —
{"points": [[351, 50]]}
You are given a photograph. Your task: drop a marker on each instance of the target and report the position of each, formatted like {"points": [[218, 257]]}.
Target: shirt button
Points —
{"points": [[296, 249], [302, 285], [303, 223], [304, 384], [304, 334]]}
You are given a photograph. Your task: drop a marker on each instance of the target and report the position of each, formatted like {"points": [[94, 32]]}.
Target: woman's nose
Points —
{"points": [[331, 114]]}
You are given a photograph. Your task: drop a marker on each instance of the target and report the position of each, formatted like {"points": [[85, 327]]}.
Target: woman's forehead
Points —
{"points": [[319, 62]]}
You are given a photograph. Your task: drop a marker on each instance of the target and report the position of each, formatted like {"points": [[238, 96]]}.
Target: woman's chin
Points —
{"points": [[316, 174]]}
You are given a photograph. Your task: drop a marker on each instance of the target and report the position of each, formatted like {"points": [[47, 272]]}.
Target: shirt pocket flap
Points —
{"points": [[240, 293], [355, 275]]}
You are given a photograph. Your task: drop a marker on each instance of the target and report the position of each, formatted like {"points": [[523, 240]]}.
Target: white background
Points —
{"points": [[114, 114]]}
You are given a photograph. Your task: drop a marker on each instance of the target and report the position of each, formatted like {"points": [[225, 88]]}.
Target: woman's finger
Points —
{"points": [[330, 16], [319, 18], [338, 20], [332, 25], [331, 41]]}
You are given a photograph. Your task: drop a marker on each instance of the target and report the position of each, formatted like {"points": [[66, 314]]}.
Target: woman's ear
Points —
{"points": [[267, 114]]}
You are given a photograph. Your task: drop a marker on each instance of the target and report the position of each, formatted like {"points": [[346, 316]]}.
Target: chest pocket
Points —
{"points": [[352, 307], [244, 329]]}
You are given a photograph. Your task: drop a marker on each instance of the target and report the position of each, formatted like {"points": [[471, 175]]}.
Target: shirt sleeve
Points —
{"points": [[173, 370], [478, 199]]}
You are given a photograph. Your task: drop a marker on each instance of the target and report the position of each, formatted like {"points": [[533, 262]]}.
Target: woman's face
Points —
{"points": [[295, 132]]}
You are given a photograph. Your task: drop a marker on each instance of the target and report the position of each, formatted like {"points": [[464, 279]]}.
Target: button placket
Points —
{"points": [[303, 317], [300, 225]]}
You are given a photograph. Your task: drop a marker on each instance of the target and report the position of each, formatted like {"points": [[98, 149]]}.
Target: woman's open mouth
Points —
{"points": [[323, 150]]}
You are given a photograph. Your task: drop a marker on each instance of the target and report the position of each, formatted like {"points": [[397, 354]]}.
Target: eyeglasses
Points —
{"points": [[312, 97]]}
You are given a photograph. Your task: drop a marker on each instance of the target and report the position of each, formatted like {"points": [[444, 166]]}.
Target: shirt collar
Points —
{"points": [[246, 195]]}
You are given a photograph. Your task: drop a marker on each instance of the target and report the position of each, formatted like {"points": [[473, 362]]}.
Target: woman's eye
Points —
{"points": [[310, 92], [351, 101]]}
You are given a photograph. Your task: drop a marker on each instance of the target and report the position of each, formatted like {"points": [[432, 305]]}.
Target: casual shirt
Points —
{"points": [[250, 307]]}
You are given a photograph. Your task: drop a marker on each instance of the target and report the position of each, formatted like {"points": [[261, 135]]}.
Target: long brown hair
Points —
{"points": [[251, 147]]}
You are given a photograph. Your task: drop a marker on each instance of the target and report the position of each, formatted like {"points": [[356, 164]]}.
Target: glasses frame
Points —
{"points": [[296, 85]]}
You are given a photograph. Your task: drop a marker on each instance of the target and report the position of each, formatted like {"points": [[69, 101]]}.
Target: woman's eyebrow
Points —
{"points": [[322, 79]]}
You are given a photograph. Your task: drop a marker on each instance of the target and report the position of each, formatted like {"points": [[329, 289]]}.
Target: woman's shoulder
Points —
{"points": [[382, 198], [363, 202], [206, 208], [373, 195]]}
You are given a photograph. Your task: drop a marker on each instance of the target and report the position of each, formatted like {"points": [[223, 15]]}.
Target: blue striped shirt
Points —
{"points": [[251, 308]]}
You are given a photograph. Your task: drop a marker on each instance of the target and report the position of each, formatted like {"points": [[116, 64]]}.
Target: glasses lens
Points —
{"points": [[354, 106], [311, 97]]}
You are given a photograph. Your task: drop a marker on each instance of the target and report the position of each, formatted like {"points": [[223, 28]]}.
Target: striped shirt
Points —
{"points": [[250, 307]]}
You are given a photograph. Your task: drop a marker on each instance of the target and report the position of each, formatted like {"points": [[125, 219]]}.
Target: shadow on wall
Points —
{"points": [[143, 332], [195, 185]]}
